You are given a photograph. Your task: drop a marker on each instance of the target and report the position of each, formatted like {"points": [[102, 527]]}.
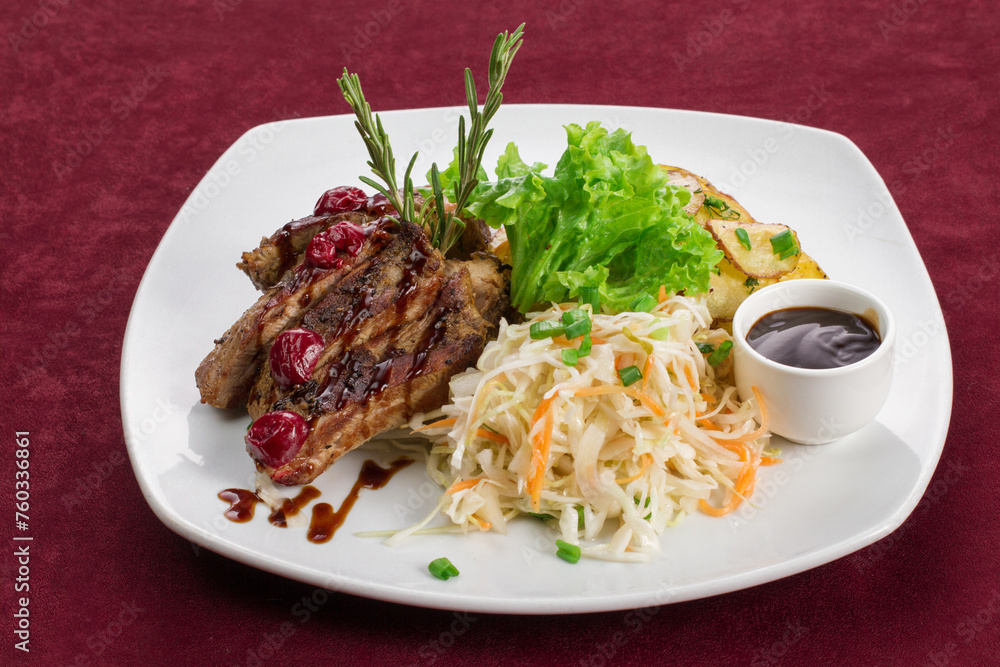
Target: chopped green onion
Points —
{"points": [[705, 348], [249, 425], [541, 516], [591, 295], [570, 356], [585, 345], [642, 304], [720, 353], [545, 329], [443, 569], [662, 333], [580, 524], [743, 237], [647, 347], [576, 323], [568, 552], [784, 244], [630, 375]]}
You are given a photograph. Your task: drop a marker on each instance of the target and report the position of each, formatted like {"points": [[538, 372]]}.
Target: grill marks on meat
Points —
{"points": [[380, 384], [398, 321], [228, 372]]}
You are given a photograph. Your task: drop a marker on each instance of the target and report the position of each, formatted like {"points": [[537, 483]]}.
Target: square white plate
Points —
{"points": [[823, 503]]}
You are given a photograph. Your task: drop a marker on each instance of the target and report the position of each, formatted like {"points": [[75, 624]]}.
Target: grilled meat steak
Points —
{"points": [[397, 321]]}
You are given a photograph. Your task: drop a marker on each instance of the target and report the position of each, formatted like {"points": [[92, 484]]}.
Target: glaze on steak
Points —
{"points": [[397, 322]]}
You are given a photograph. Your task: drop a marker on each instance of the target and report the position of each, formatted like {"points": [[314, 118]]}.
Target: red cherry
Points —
{"points": [[276, 437], [340, 200], [343, 236], [294, 355], [379, 204]]}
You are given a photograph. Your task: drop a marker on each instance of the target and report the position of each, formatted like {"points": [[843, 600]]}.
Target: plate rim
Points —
{"points": [[551, 604]]}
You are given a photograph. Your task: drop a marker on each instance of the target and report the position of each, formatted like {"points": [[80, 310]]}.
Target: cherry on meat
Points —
{"points": [[294, 355], [276, 437], [340, 200], [343, 236]]}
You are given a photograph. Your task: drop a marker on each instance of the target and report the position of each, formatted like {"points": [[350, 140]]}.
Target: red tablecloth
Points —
{"points": [[113, 111]]}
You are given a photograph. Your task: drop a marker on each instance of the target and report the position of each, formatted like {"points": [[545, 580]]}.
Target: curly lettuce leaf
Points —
{"points": [[606, 218]]}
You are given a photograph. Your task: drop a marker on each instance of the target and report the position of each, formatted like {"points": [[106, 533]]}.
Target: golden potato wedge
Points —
{"points": [[806, 268], [757, 261], [712, 202], [684, 179], [728, 288]]}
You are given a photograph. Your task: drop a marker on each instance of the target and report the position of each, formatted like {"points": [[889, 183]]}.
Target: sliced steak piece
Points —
{"points": [[227, 373], [393, 342], [365, 304], [266, 264]]}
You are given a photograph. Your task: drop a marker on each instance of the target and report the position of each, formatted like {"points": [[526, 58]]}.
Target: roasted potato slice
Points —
{"points": [[806, 268], [757, 261], [728, 288], [711, 202]]}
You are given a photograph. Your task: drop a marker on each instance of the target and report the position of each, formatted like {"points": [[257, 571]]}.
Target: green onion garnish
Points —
{"points": [[663, 333], [568, 552], [743, 237], [642, 304], [541, 516], [591, 295], [721, 353], [784, 244], [576, 323], [630, 375], [545, 329], [443, 569], [705, 348], [585, 345], [570, 356], [580, 524]]}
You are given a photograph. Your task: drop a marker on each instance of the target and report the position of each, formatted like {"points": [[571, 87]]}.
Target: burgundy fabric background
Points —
{"points": [[91, 182]]}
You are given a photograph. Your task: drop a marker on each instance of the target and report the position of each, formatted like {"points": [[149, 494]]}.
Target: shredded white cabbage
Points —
{"points": [[621, 461]]}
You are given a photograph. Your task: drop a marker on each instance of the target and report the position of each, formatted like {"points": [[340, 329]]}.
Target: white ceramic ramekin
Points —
{"points": [[815, 406]]}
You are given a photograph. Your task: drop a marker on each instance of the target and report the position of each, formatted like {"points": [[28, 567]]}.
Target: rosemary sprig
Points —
{"points": [[382, 162], [449, 226]]}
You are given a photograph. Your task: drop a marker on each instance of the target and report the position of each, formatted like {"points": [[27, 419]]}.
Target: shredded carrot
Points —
{"points": [[647, 459], [462, 485], [483, 525], [663, 293], [692, 382], [490, 435], [770, 461], [645, 371], [708, 398], [597, 341], [438, 424], [539, 460], [638, 395], [706, 424]]}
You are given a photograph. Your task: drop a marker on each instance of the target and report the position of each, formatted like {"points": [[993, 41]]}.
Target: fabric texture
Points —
{"points": [[113, 111]]}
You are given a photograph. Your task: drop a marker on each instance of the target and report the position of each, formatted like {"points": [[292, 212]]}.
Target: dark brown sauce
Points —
{"points": [[325, 521], [293, 506], [241, 504], [813, 337]]}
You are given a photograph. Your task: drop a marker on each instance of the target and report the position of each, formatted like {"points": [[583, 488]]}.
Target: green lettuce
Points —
{"points": [[606, 218]]}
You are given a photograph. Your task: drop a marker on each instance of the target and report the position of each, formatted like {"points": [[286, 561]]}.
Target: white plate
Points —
{"points": [[823, 503]]}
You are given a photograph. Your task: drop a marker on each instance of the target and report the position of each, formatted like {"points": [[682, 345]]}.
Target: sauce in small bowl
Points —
{"points": [[819, 351]]}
